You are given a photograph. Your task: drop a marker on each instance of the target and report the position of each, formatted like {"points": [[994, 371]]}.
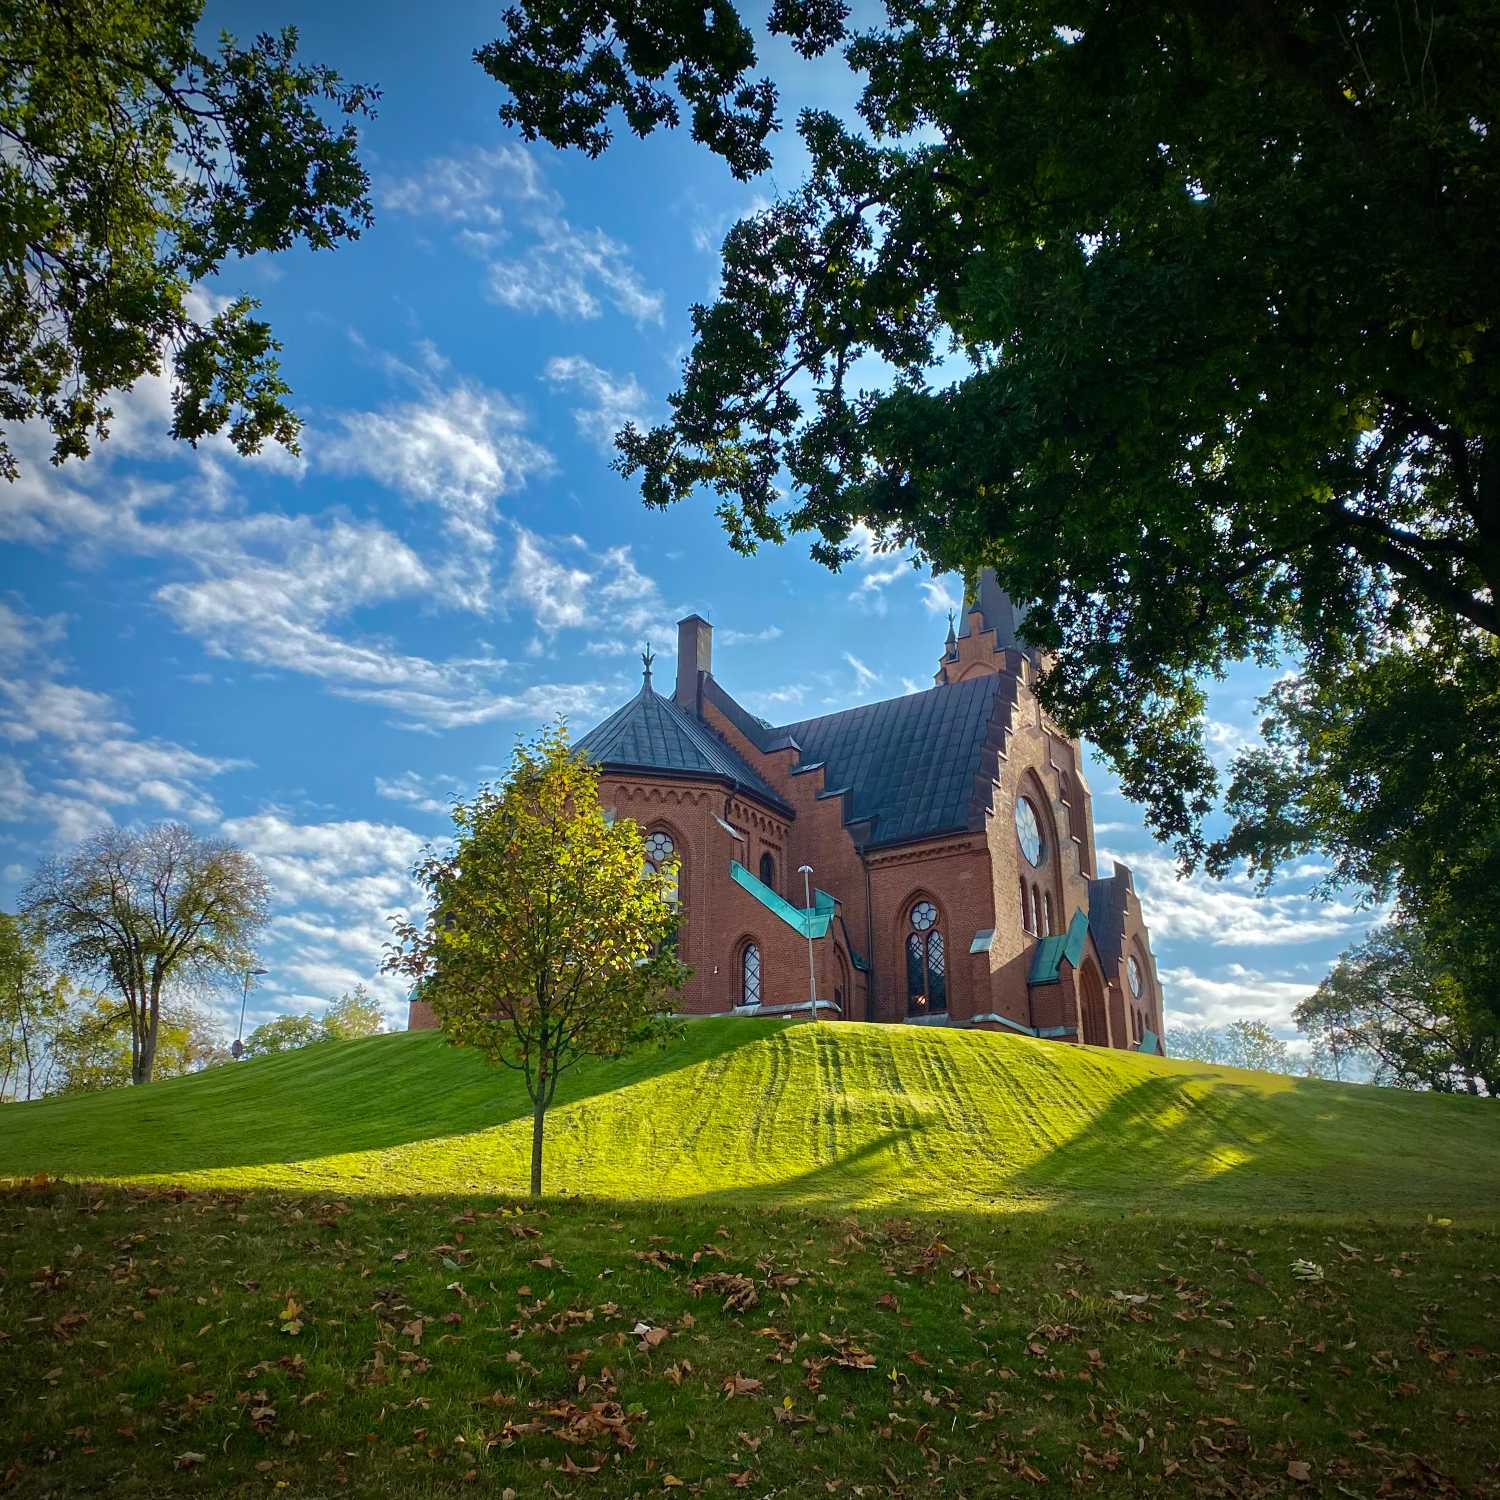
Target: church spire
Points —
{"points": [[647, 657]]}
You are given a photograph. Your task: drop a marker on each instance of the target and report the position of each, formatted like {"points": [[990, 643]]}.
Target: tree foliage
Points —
{"points": [[91, 1047], [32, 1004], [1394, 1000], [1240, 1044], [134, 165], [1182, 317], [283, 1034], [355, 1013], [1387, 769], [139, 912], [548, 938]]}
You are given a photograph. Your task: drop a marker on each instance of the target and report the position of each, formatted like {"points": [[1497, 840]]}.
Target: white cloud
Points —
{"points": [[748, 637], [1230, 913], [566, 271], [1240, 994], [605, 591], [336, 885], [613, 400], [538, 262], [464, 189], [89, 757], [459, 449], [938, 597], [431, 794], [863, 676]]}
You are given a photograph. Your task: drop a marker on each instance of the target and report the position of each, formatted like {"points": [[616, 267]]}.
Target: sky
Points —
{"points": [[310, 656]]}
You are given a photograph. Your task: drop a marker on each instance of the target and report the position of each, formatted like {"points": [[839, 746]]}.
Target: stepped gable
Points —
{"points": [[911, 765], [652, 734]]}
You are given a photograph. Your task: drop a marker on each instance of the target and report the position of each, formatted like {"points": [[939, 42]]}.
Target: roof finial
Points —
{"points": [[646, 659]]}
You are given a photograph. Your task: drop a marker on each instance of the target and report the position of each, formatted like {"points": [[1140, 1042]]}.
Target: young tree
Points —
{"points": [[1181, 316], [142, 912], [548, 938], [134, 165], [355, 1013], [1393, 1001]]}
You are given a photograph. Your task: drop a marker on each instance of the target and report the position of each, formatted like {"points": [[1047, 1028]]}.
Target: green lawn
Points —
{"points": [[807, 1260], [838, 1116]]}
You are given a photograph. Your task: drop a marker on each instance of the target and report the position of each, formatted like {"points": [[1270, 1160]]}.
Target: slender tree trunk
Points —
{"points": [[538, 1117]]}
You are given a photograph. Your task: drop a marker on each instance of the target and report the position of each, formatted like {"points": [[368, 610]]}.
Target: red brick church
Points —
{"points": [[953, 879]]}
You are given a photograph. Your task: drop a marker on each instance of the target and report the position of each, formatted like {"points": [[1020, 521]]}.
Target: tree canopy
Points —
{"points": [[142, 912], [549, 938], [133, 165], [1394, 1001], [1181, 316]]}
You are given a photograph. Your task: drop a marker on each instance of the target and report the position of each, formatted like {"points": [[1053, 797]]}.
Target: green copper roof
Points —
{"points": [[814, 923], [1051, 951]]}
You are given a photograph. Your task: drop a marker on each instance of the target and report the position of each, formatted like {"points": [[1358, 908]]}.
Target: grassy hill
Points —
{"points": [[349, 1297], [762, 1111]]}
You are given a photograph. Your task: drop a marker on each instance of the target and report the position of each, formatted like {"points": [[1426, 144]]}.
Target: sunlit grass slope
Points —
{"points": [[760, 1111]]}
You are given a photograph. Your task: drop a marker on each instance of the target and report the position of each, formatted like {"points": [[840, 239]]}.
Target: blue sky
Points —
{"points": [[311, 655]]}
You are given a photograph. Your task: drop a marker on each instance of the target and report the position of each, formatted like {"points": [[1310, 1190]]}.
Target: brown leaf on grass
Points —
{"points": [[413, 1330], [190, 1460], [742, 1385], [1300, 1471]]}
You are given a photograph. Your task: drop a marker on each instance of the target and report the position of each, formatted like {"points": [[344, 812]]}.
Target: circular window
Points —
{"points": [[923, 915], [1133, 973], [659, 847], [1029, 831]]}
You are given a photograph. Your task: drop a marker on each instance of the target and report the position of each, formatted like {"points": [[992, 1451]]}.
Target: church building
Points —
{"points": [[928, 860]]}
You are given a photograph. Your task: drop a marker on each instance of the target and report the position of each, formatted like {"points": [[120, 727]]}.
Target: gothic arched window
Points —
{"points": [[660, 850], [750, 975], [768, 871], [926, 963], [1047, 912]]}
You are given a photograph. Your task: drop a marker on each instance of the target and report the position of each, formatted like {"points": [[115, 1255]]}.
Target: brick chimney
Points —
{"points": [[695, 653]]}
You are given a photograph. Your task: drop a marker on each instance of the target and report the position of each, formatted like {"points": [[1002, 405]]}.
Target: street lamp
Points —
{"points": [[237, 1051], [805, 871]]}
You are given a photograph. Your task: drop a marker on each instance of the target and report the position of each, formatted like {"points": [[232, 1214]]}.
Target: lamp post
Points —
{"points": [[237, 1051], [805, 871]]}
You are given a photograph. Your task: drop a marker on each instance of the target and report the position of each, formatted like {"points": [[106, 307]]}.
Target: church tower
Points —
{"points": [[990, 638]]}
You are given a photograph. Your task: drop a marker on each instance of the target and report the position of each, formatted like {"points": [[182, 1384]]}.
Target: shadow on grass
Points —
{"points": [[328, 1100]]}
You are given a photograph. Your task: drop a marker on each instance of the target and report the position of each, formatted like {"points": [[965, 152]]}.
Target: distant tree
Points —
{"points": [[92, 1049], [32, 1005], [1183, 317], [549, 937], [1240, 1044], [1392, 1000], [134, 165], [354, 1014], [1386, 769], [283, 1034], [142, 912]]}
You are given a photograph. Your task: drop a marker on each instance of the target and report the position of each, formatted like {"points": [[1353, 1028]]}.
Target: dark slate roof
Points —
{"points": [[1107, 897], [915, 766], [652, 734]]}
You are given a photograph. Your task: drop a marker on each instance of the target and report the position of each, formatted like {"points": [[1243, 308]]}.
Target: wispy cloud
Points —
{"points": [[429, 794], [1231, 913], [612, 400], [459, 448], [1238, 994], [748, 637], [863, 676], [503, 212]]}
